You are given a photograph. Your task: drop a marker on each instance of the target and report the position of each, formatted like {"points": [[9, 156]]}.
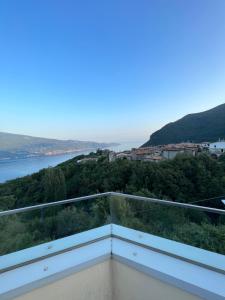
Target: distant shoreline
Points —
{"points": [[18, 167], [53, 153], [16, 156]]}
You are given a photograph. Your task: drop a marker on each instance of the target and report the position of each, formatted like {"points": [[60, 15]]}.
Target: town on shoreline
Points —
{"points": [[170, 151]]}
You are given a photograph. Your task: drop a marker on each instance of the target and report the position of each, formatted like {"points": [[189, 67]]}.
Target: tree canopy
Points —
{"points": [[184, 179]]}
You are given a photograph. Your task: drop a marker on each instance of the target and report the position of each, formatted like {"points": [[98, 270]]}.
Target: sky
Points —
{"points": [[108, 70]]}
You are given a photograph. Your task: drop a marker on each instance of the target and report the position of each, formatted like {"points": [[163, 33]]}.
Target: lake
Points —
{"points": [[12, 169]]}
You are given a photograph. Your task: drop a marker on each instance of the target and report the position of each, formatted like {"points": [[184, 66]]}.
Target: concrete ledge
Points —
{"points": [[195, 280], [200, 257], [188, 268], [23, 279], [35, 253]]}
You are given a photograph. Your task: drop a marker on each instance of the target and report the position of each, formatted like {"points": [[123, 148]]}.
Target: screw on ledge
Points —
{"points": [[45, 269]]}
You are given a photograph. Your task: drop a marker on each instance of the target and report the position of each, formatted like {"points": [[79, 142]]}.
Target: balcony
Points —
{"points": [[113, 246]]}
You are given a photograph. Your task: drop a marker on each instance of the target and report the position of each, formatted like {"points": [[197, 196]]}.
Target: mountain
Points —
{"points": [[198, 127], [21, 146]]}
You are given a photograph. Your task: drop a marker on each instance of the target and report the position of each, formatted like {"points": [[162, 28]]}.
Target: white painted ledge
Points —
{"points": [[28, 277], [196, 280], [192, 254], [175, 263], [46, 249]]}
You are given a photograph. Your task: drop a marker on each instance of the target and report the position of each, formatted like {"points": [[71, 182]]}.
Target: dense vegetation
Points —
{"points": [[183, 179], [199, 127]]}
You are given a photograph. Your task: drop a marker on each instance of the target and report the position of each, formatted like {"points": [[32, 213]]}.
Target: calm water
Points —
{"points": [[21, 167]]}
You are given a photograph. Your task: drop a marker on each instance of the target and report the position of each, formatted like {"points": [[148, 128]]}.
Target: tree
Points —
{"points": [[54, 184]]}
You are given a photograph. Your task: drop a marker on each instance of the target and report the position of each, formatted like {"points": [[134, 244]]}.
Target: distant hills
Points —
{"points": [[198, 127], [14, 146]]}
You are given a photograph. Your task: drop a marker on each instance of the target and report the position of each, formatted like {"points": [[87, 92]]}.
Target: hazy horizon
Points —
{"points": [[108, 71], [141, 141]]}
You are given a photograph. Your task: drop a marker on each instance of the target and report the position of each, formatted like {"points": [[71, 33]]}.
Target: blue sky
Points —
{"points": [[108, 70]]}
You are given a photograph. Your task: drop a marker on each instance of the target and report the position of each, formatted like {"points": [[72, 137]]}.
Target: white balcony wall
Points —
{"points": [[93, 283]]}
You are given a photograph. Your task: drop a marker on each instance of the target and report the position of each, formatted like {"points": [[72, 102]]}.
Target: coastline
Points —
{"points": [[14, 168]]}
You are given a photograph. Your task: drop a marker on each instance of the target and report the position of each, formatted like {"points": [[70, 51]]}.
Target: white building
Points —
{"points": [[217, 148], [205, 145]]}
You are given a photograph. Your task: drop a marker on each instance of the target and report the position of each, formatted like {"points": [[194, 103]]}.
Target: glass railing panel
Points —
{"points": [[23, 230], [20, 231], [197, 228]]}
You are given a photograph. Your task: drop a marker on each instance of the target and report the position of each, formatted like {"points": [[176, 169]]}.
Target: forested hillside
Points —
{"points": [[184, 179], [207, 126]]}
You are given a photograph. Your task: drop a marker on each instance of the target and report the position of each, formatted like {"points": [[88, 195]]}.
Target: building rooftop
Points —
{"points": [[180, 146], [116, 258]]}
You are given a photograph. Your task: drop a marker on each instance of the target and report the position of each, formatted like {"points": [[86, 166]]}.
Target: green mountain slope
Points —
{"points": [[199, 127]]}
